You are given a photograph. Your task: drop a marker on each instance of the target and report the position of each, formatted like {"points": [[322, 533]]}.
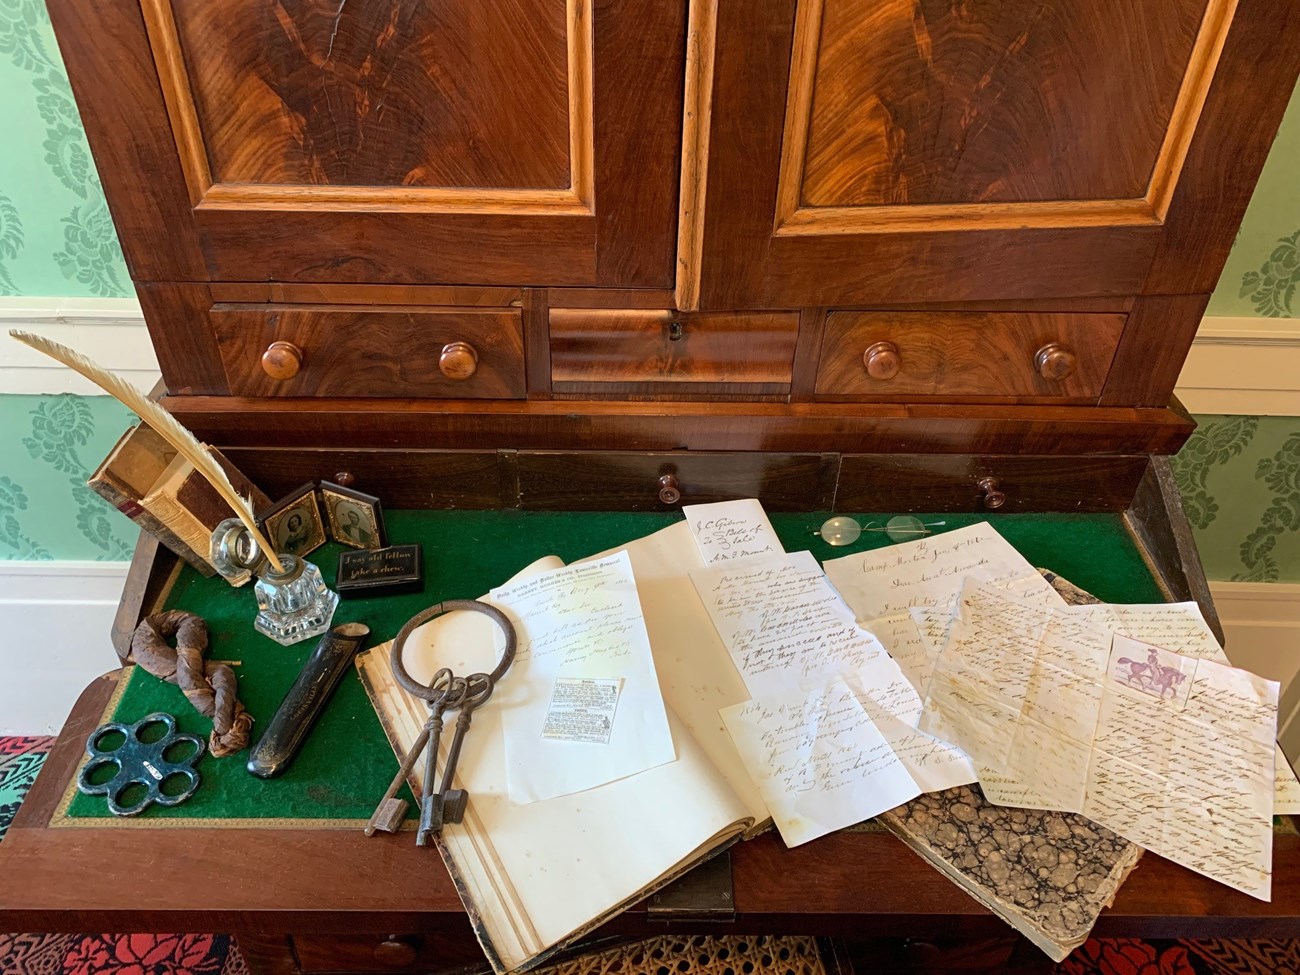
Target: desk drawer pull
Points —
{"points": [[883, 360], [396, 952], [1055, 361], [458, 361], [670, 492], [282, 360], [991, 489]]}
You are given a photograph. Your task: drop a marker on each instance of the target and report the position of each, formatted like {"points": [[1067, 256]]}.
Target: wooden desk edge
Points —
{"points": [[327, 880]]}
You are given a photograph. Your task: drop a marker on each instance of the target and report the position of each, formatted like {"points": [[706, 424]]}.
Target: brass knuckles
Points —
{"points": [[433, 692]]}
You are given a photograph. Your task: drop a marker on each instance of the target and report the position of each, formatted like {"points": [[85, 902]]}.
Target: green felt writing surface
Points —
{"points": [[346, 763]]}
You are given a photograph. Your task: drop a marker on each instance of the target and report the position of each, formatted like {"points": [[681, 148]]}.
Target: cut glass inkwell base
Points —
{"points": [[843, 530], [293, 604]]}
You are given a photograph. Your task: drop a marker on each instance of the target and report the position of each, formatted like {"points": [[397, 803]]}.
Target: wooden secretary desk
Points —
{"points": [[838, 254]]}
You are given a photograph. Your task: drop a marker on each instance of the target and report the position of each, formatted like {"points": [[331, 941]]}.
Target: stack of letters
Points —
{"points": [[1025, 747]]}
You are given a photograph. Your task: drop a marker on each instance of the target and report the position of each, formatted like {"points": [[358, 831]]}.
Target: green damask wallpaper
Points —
{"points": [[1240, 475], [48, 447], [56, 237], [1263, 269], [1240, 481]]}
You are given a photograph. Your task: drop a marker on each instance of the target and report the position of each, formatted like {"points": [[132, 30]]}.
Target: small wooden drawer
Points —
{"points": [[628, 481], [967, 355], [431, 954], [594, 351], [303, 350], [959, 482]]}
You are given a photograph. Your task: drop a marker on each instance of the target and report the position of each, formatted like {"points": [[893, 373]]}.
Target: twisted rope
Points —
{"points": [[211, 687]]}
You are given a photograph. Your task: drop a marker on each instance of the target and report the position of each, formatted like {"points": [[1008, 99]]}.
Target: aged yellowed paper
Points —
{"points": [[1172, 752]]}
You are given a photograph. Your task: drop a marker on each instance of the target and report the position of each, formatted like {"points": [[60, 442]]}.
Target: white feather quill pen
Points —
{"points": [[164, 424]]}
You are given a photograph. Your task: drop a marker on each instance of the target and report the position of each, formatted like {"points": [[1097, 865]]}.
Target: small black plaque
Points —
{"points": [[380, 572]]}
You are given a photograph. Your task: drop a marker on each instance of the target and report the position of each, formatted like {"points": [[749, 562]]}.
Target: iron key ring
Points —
{"points": [[428, 692], [444, 692]]}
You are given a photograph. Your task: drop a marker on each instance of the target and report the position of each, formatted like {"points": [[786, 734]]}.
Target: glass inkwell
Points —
{"points": [[293, 602]]}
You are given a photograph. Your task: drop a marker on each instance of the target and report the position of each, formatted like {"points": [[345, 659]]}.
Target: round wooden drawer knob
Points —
{"points": [[882, 360], [1055, 361], [396, 953], [458, 361], [670, 492], [282, 360], [991, 489]]}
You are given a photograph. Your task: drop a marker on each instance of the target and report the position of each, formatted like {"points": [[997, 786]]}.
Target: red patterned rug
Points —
{"points": [[217, 954]]}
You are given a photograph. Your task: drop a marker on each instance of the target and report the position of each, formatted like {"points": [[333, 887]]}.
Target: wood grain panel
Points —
{"points": [[111, 68], [598, 425], [947, 482], [1156, 339], [442, 953], [745, 262], [401, 478], [371, 351], [956, 266], [458, 94], [964, 354], [363, 247], [1247, 97], [927, 103], [363, 294], [639, 56], [697, 110], [629, 346], [188, 354], [628, 481]]}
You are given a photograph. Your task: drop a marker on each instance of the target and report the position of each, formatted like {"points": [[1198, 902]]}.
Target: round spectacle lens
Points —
{"points": [[840, 530]]}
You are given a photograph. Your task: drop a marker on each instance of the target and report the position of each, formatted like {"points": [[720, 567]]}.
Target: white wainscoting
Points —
{"points": [[109, 330], [1243, 366], [55, 619], [1261, 626]]}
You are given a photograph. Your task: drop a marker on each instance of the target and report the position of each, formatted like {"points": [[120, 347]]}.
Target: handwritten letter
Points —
{"points": [[579, 621], [882, 586], [730, 530], [1171, 752], [1180, 627], [930, 572], [1187, 772], [819, 760], [783, 625], [786, 629]]}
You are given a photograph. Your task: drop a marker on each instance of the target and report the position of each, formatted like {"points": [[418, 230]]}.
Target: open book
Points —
{"points": [[526, 894]]}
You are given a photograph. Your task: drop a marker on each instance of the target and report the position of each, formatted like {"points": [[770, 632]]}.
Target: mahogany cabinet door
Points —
{"points": [[854, 152], [520, 142]]}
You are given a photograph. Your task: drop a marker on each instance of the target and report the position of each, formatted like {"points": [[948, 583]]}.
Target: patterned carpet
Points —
{"points": [[217, 954]]}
